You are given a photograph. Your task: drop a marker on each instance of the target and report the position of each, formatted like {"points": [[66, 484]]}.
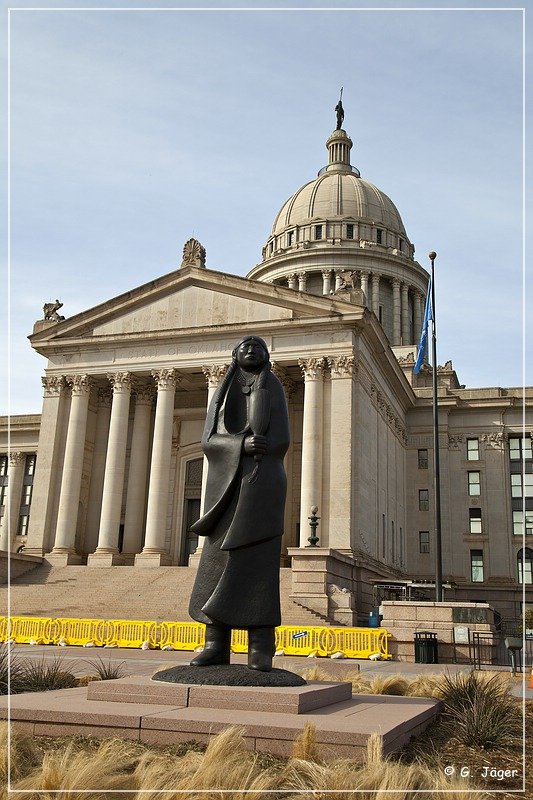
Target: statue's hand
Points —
{"points": [[255, 445]]}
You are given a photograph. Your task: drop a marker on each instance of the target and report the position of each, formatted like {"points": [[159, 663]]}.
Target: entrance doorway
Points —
{"points": [[191, 507]]}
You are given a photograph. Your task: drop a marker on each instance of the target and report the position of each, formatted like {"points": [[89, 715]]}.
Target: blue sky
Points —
{"points": [[132, 131]]}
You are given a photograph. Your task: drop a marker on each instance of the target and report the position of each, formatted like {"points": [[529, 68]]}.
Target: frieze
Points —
{"points": [[387, 412], [495, 440]]}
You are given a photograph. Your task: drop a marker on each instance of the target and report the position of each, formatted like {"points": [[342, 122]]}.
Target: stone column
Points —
{"points": [[302, 281], [289, 387], [417, 315], [138, 473], [107, 553], [313, 423], [375, 294], [405, 315], [69, 498], [326, 281], [154, 554], [364, 284], [15, 478], [338, 281], [292, 281], [396, 314], [341, 433], [94, 503], [45, 482]]}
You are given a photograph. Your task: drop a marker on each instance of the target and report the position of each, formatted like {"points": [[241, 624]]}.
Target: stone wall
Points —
{"points": [[20, 564]]}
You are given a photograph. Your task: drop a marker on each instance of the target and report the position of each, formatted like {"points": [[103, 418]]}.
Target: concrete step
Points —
{"points": [[153, 593]]}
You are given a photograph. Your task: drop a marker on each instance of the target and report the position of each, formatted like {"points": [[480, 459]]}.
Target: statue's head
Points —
{"points": [[251, 353]]}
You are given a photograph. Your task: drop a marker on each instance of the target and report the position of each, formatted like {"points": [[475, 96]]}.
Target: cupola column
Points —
{"points": [[364, 284], [326, 281], [417, 314], [153, 553], [136, 491], [338, 281], [69, 498], [405, 314], [375, 294], [396, 313], [292, 281], [302, 281], [115, 466], [312, 437]]}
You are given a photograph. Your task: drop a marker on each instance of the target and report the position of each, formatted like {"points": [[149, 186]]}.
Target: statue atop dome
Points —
{"points": [[339, 110]]}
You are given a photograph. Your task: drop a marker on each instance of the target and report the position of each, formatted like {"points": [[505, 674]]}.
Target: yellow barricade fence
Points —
{"points": [[28, 629], [133, 633], [80, 631], [182, 635], [294, 640]]}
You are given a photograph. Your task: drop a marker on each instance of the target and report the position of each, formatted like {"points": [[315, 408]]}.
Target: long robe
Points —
{"points": [[237, 583]]}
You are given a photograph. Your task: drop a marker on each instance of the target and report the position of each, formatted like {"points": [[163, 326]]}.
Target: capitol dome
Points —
{"points": [[340, 223]]}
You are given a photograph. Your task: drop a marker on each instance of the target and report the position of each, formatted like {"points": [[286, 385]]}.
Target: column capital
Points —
{"points": [[120, 381], [144, 393], [80, 384], [16, 457], [364, 273], [326, 273], [214, 374], [405, 287], [166, 378], [342, 366], [53, 385], [291, 276], [287, 383], [312, 368], [396, 283], [302, 273]]}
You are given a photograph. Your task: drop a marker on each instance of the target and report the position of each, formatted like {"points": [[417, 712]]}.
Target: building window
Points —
{"points": [[379, 236], [423, 541], [422, 459], [25, 500], [318, 232], [517, 490], [472, 449], [290, 238], [3, 482], [400, 244], [393, 543], [518, 523], [383, 536], [525, 565], [271, 247], [380, 314], [423, 499], [474, 487], [22, 529], [3, 466], [349, 231], [30, 465], [519, 448], [476, 566], [475, 520]]}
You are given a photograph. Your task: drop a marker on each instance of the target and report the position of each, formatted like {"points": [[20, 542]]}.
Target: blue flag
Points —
{"points": [[422, 345]]}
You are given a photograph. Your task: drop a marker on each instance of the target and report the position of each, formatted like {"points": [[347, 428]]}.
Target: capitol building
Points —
{"points": [[111, 472]]}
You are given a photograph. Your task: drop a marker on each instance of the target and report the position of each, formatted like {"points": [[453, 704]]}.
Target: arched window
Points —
{"points": [[525, 565]]}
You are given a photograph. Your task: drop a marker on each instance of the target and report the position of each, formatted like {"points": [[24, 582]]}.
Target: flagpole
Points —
{"points": [[436, 459]]}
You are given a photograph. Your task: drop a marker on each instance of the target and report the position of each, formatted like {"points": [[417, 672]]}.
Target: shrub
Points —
{"points": [[106, 670], [44, 675], [11, 671]]}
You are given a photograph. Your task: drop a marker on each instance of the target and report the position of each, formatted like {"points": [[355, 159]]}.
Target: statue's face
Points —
{"points": [[251, 356]]}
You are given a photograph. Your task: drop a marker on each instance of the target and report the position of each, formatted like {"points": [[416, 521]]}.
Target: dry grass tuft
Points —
{"points": [[388, 684], [315, 674], [79, 776], [24, 755], [305, 746]]}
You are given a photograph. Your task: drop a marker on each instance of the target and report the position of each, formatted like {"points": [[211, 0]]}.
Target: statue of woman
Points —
{"points": [[245, 438]]}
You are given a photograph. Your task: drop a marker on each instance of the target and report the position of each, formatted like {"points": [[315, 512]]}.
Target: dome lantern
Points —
{"points": [[339, 145]]}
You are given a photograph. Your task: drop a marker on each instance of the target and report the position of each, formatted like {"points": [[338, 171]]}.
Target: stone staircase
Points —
{"points": [[122, 593]]}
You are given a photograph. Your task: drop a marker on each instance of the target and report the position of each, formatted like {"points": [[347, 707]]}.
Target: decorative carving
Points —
{"points": [[50, 311], [176, 427], [53, 385], [494, 440], [121, 381], [214, 374], [288, 384], [16, 457], [312, 368], [104, 397], [446, 367], [455, 441], [166, 378], [144, 393], [342, 366], [193, 254], [80, 384], [407, 360]]}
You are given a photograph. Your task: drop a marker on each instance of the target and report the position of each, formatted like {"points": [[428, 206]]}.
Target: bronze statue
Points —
{"points": [[245, 438], [339, 110]]}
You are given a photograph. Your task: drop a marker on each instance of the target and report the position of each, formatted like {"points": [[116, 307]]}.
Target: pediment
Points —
{"points": [[188, 298]]}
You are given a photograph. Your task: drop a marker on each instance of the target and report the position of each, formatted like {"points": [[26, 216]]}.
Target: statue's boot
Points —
{"points": [[261, 648], [217, 647]]}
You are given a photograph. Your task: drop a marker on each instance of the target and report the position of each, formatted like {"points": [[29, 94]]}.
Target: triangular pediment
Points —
{"points": [[189, 298]]}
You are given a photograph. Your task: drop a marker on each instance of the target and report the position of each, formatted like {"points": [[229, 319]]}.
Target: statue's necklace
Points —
{"points": [[246, 382]]}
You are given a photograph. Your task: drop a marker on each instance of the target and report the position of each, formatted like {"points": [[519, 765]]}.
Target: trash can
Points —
{"points": [[426, 647], [373, 619]]}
